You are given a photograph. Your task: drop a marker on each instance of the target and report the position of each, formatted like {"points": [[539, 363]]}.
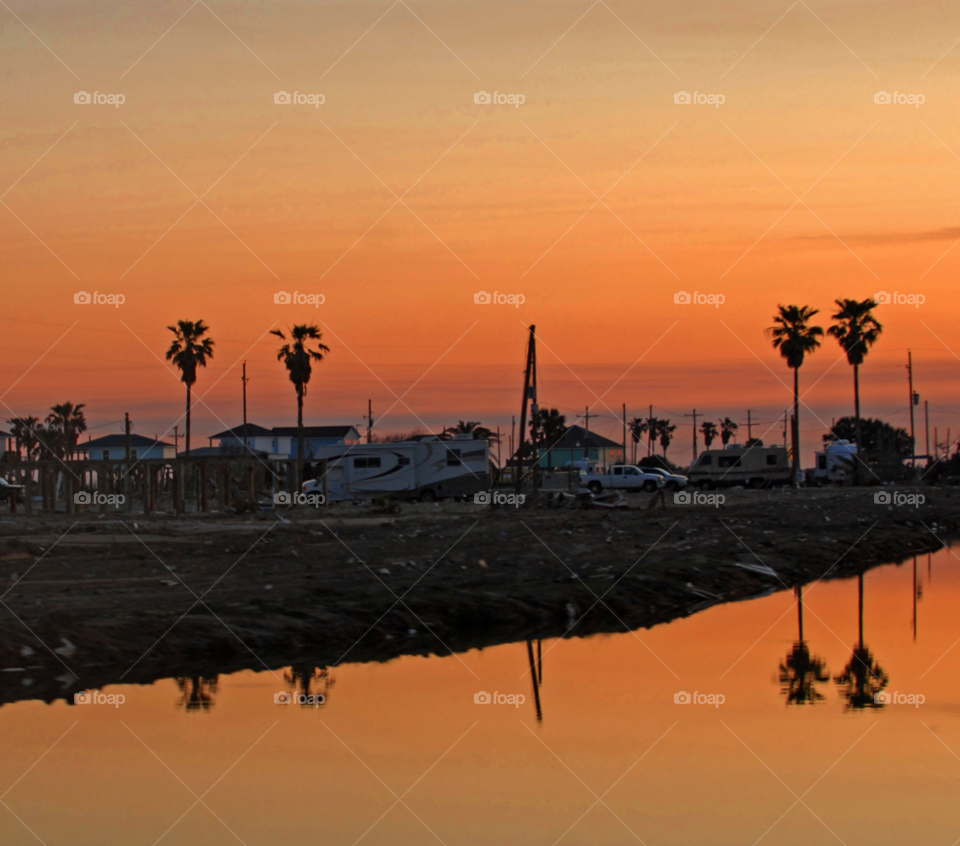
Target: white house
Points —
{"points": [[114, 448], [280, 442]]}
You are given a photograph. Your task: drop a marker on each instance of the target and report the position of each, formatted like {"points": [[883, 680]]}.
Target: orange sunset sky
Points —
{"points": [[598, 199]]}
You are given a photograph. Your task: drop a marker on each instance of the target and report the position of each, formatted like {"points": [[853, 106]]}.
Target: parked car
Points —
{"points": [[672, 481], [622, 477], [7, 490]]}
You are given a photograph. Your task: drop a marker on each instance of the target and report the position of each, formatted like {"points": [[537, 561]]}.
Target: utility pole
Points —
{"points": [[126, 429], [749, 427], [244, 380], [623, 458], [650, 431], [784, 428], [523, 407], [369, 419], [534, 406], [926, 424], [913, 400], [176, 441], [586, 440], [694, 416], [498, 447]]}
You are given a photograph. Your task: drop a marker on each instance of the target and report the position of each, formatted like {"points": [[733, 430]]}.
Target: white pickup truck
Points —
{"points": [[622, 477]]}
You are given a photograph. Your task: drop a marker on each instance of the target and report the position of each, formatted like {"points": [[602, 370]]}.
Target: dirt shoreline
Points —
{"points": [[294, 591]]}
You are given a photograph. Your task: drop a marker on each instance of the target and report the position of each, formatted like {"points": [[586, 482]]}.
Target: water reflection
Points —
{"points": [[197, 693], [303, 676], [863, 678], [536, 673], [801, 671]]}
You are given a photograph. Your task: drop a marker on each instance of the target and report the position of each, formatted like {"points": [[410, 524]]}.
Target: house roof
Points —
{"points": [[120, 441], [315, 431], [253, 431], [578, 437]]}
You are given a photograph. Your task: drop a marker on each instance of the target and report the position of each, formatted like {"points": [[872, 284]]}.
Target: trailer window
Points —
{"points": [[771, 459], [453, 458], [728, 461], [366, 462], [403, 461], [706, 459]]}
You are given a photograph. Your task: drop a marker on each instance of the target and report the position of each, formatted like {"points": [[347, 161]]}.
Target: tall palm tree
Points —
{"points": [[26, 431], [795, 338], [471, 427], [709, 431], [637, 427], [857, 330], [69, 421], [547, 428], [297, 357], [665, 430], [188, 351], [727, 428]]}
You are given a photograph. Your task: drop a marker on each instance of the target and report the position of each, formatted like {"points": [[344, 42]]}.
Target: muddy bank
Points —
{"points": [[134, 600]]}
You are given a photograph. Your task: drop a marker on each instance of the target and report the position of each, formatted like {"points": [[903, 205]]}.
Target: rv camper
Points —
{"points": [[424, 468], [753, 467], [835, 463]]}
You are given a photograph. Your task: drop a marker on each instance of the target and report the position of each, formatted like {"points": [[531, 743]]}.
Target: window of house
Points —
{"points": [[821, 462], [133, 454], [106, 455]]}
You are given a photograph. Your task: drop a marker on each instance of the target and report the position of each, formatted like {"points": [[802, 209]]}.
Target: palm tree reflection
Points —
{"points": [[302, 677], [801, 671], [197, 692], [863, 678]]}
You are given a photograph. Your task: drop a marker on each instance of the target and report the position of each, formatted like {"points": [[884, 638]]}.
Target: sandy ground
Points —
{"points": [[93, 600]]}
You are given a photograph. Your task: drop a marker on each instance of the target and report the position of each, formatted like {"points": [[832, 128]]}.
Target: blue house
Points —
{"points": [[114, 448], [576, 444], [280, 442]]}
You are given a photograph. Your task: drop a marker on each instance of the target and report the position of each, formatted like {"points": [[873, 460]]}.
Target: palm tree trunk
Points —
{"points": [[796, 425], [299, 480], [861, 455], [187, 441]]}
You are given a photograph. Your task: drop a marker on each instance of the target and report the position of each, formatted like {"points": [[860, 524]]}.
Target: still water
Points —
{"points": [[400, 753]]}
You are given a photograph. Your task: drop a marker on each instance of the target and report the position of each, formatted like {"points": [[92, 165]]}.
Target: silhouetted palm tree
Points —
{"points": [[795, 338], [471, 427], [188, 351], [727, 428], [26, 431], [297, 357], [547, 428], [863, 678], [636, 427], [69, 422], [801, 671], [709, 431], [857, 330], [665, 430]]}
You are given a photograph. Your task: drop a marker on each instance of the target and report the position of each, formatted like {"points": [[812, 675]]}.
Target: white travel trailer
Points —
{"points": [[835, 463], [425, 468], [753, 467]]}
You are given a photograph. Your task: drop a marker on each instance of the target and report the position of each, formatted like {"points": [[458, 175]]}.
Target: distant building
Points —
{"points": [[114, 448], [577, 444], [9, 442], [280, 442]]}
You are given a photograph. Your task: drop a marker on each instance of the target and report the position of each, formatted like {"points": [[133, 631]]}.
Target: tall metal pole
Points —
{"points": [[244, 380], [586, 440], [694, 416], [523, 411], [913, 449], [369, 419], [926, 424], [534, 405], [623, 458], [749, 426]]}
